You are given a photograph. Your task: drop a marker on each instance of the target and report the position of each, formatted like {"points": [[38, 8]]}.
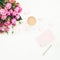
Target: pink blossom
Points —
{"points": [[18, 9], [8, 5], [8, 13], [17, 16], [2, 28], [11, 11], [14, 13], [3, 12], [13, 21], [7, 23], [3, 17]]}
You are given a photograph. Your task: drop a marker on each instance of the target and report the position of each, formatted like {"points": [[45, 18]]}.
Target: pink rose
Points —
{"points": [[3, 17], [7, 23], [11, 11], [8, 13], [14, 13], [13, 21], [2, 28], [17, 16], [8, 5], [3, 12], [18, 9]]}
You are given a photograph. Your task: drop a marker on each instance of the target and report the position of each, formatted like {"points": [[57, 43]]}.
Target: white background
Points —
{"points": [[22, 44]]}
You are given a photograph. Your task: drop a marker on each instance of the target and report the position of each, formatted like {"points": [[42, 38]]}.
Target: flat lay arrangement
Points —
{"points": [[29, 29]]}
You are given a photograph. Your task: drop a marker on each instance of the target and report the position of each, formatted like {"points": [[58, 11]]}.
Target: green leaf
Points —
{"points": [[13, 5], [19, 18], [1, 4], [3, 1]]}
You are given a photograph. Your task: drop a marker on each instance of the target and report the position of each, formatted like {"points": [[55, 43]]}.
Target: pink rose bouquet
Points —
{"points": [[9, 15]]}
